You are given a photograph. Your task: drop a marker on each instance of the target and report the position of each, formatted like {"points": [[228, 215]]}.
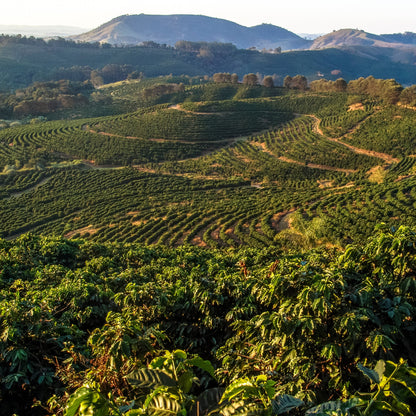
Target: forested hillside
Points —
{"points": [[27, 60]]}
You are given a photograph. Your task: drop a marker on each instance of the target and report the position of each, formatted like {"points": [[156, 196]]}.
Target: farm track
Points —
{"points": [[263, 148], [316, 166], [32, 188], [180, 108], [384, 156]]}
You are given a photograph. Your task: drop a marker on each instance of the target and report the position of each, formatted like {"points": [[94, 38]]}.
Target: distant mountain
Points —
{"points": [[135, 29], [40, 31], [310, 36], [355, 37], [400, 48]]}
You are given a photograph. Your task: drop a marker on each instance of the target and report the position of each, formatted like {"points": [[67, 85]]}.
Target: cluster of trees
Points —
{"points": [[113, 73], [45, 97], [298, 82], [248, 79], [212, 52], [56, 42], [388, 90], [162, 89], [408, 96], [225, 77], [198, 47], [324, 85]]}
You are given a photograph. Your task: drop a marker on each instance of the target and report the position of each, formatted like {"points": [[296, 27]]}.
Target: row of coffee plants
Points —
{"points": [[390, 130], [298, 141], [125, 329]]}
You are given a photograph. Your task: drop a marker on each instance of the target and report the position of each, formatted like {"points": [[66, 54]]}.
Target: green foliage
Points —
{"points": [[392, 393], [76, 314], [150, 378], [86, 401]]}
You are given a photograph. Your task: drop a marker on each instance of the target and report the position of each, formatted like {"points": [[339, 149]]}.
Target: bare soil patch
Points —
{"points": [[197, 241], [82, 231], [356, 107]]}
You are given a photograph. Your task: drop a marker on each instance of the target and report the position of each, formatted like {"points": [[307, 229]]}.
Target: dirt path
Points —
{"points": [[384, 156], [316, 166], [182, 175], [104, 133], [33, 188], [264, 148], [180, 108], [409, 107]]}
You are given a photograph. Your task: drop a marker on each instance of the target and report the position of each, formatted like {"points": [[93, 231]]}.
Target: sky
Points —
{"points": [[299, 16]]}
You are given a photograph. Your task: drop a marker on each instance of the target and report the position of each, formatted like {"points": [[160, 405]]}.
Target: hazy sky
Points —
{"points": [[300, 16]]}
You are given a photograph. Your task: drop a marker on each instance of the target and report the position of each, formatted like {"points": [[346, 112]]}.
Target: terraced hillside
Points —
{"points": [[288, 170]]}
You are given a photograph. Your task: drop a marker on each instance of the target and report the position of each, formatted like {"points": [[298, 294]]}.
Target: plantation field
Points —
{"points": [[222, 250], [285, 170]]}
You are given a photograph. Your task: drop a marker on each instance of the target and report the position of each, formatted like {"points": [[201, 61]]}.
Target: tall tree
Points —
{"points": [[268, 81], [287, 81], [250, 79], [221, 77]]}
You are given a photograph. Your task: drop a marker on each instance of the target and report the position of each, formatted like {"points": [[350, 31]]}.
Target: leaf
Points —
{"points": [[240, 409], [380, 368], [242, 385], [338, 408], [162, 405], [371, 374], [76, 399], [203, 365], [87, 402], [207, 401], [150, 378], [135, 412], [179, 354], [185, 381], [284, 403]]}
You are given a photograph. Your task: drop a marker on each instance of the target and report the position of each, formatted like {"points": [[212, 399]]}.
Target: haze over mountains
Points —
{"points": [[40, 31]]}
